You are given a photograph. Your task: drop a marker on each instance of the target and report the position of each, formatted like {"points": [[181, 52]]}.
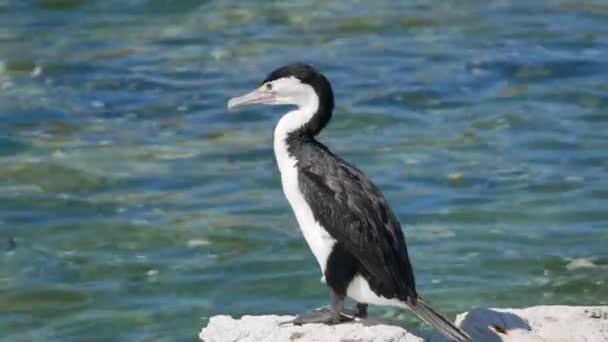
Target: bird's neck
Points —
{"points": [[290, 133], [299, 128]]}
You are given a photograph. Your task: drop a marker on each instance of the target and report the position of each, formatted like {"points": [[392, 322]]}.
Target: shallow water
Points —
{"points": [[133, 206]]}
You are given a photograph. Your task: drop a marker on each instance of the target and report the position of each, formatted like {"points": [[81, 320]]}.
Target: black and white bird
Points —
{"points": [[345, 219]]}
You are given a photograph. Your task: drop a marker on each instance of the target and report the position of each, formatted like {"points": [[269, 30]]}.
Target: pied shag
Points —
{"points": [[345, 219]]}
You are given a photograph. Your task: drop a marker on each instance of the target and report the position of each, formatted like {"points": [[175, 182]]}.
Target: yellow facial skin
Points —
{"points": [[265, 87]]}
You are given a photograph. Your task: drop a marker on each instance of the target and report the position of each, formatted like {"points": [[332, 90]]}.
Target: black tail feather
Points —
{"points": [[438, 321]]}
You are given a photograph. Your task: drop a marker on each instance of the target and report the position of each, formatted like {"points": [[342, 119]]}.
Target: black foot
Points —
{"points": [[359, 311], [324, 315]]}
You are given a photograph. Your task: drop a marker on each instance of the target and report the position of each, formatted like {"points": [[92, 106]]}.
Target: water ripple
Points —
{"points": [[131, 198]]}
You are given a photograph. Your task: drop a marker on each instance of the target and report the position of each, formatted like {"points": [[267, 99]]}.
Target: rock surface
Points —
{"points": [[535, 324], [266, 329]]}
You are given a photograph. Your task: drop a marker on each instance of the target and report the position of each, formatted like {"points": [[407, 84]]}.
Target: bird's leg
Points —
{"points": [[326, 315], [359, 311]]}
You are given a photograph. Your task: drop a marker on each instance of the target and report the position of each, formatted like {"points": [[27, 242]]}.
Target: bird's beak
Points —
{"points": [[259, 95]]}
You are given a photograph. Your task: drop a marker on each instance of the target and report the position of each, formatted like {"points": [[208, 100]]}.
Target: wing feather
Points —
{"points": [[354, 211]]}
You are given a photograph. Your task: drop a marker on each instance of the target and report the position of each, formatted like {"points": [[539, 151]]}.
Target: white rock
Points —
{"points": [[535, 324], [266, 329], [552, 323]]}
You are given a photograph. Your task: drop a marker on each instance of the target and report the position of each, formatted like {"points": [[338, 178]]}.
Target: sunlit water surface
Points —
{"points": [[133, 206]]}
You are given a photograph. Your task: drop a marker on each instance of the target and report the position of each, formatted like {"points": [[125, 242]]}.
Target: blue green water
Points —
{"points": [[133, 206]]}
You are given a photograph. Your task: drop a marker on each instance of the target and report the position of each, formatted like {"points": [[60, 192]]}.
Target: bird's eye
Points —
{"points": [[268, 86]]}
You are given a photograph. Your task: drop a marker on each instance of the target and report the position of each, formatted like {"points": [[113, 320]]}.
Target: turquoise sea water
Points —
{"points": [[133, 206]]}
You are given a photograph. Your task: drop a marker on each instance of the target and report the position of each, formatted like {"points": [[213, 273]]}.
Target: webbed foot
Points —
{"points": [[324, 315], [359, 311]]}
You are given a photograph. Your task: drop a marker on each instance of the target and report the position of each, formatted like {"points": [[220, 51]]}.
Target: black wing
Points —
{"points": [[355, 213]]}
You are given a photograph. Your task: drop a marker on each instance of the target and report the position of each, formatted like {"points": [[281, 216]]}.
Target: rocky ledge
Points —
{"points": [[534, 324]]}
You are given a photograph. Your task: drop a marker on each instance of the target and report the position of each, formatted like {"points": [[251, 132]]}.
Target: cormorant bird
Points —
{"points": [[345, 219]]}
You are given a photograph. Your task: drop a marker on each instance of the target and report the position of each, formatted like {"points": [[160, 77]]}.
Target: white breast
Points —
{"points": [[318, 239], [359, 290]]}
